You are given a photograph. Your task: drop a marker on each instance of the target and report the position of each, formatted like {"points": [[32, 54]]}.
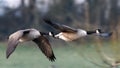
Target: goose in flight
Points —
{"points": [[30, 35], [69, 34]]}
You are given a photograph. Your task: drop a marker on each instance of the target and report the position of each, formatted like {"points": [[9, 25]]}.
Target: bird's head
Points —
{"points": [[51, 34], [98, 31]]}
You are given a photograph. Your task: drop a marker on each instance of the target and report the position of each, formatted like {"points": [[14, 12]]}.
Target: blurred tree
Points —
{"points": [[96, 13]]}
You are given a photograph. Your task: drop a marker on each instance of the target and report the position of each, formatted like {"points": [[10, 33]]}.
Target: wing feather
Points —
{"points": [[60, 27], [13, 42], [45, 47]]}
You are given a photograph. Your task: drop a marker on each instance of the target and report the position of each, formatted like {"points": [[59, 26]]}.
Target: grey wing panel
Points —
{"points": [[13, 42], [45, 47], [68, 29], [60, 27], [11, 47]]}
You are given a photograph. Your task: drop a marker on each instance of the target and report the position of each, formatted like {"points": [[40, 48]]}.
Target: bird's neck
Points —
{"points": [[44, 33], [91, 32], [47, 33]]}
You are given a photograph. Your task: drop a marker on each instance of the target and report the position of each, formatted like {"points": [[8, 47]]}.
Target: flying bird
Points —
{"points": [[69, 34], [30, 35]]}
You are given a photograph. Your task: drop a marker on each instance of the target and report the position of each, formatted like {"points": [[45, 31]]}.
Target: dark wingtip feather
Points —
{"points": [[47, 20], [7, 55], [52, 58]]}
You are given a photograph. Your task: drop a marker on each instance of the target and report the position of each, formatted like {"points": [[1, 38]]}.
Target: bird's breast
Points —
{"points": [[29, 37], [24, 39], [68, 36]]}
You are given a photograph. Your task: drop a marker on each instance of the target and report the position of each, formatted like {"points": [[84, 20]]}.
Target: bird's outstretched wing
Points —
{"points": [[62, 28], [45, 47], [13, 42]]}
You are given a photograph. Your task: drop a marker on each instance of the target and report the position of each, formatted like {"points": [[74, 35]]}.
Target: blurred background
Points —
{"points": [[88, 52]]}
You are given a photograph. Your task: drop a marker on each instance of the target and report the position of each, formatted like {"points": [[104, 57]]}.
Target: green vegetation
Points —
{"points": [[71, 56]]}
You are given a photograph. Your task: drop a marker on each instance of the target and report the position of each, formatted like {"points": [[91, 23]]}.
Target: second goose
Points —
{"points": [[69, 34]]}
